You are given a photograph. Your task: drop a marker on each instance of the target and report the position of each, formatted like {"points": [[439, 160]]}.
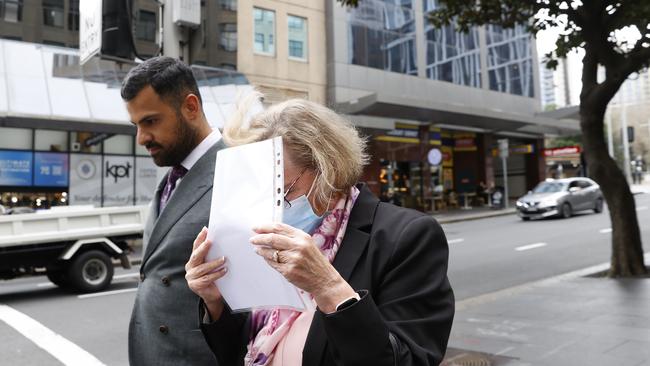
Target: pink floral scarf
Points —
{"points": [[269, 327]]}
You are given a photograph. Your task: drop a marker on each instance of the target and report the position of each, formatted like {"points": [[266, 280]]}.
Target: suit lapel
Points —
{"points": [[192, 187], [352, 248]]}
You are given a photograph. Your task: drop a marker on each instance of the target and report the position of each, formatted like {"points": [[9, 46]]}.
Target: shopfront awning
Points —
{"points": [[44, 86], [487, 120]]}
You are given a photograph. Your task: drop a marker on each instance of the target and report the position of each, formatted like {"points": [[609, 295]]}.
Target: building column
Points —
{"points": [[420, 39], [486, 160], [535, 164], [483, 56]]}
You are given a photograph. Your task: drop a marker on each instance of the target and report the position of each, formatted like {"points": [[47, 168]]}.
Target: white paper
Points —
{"points": [[248, 191]]}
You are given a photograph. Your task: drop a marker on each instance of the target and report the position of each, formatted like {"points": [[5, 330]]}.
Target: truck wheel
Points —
{"points": [[58, 277], [91, 271]]}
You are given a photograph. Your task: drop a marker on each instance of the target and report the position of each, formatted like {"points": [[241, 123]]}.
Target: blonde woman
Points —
{"points": [[377, 272]]}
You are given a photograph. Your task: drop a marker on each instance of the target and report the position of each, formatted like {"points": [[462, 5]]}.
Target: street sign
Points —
{"points": [[434, 156], [503, 148], [90, 29]]}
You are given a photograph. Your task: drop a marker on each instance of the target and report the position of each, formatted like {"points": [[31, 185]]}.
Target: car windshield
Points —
{"points": [[549, 187]]}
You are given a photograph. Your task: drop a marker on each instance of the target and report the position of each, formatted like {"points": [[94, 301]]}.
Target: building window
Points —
{"points": [[73, 15], [264, 31], [452, 56], [297, 37], [228, 5], [53, 13], [146, 27], [381, 35], [228, 36], [510, 60], [11, 10]]}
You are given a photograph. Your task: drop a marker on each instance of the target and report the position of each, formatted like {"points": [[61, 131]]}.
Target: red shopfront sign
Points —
{"points": [[561, 151]]}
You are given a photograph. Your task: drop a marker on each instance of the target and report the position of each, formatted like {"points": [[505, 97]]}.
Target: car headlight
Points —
{"points": [[519, 204]]}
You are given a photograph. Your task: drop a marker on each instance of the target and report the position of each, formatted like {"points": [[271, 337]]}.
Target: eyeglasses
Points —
{"points": [[287, 204]]}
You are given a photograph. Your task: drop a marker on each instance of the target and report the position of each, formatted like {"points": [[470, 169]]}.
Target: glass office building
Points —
{"points": [[418, 91]]}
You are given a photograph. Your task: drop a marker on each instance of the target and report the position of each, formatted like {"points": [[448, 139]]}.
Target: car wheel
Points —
{"points": [[599, 206], [566, 211], [91, 271], [526, 218]]}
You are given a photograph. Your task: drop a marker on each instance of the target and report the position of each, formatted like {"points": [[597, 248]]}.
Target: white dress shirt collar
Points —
{"points": [[201, 149]]}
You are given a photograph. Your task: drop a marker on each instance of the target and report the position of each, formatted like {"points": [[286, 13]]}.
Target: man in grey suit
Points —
{"points": [[164, 103]]}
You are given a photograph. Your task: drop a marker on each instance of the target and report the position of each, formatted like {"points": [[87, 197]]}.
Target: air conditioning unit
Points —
{"points": [[186, 13]]}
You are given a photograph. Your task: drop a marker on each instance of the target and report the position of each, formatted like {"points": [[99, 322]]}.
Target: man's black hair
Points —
{"points": [[171, 78]]}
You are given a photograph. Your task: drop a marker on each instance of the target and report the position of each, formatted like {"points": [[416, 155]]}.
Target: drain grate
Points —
{"points": [[468, 359]]}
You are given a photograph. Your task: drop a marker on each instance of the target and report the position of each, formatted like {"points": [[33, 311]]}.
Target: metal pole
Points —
{"points": [[505, 180], [610, 134], [626, 145]]}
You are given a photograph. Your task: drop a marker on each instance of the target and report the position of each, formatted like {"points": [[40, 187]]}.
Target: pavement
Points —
{"points": [[578, 318], [572, 319]]}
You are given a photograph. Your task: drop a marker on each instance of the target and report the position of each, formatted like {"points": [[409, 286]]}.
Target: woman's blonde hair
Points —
{"points": [[316, 137]]}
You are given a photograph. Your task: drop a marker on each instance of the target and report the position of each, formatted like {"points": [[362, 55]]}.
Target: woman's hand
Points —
{"points": [[301, 263], [200, 275]]}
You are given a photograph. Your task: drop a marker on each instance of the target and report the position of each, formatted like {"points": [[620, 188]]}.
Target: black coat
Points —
{"points": [[399, 257]]}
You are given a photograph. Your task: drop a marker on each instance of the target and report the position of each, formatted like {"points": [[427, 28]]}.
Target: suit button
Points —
{"points": [[165, 280], [142, 277], [163, 329]]}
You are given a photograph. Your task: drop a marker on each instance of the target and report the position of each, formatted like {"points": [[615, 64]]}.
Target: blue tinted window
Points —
{"points": [[382, 35]]}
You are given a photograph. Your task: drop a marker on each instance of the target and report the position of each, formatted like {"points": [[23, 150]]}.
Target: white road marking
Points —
{"points": [[642, 208], [106, 293], [454, 241], [530, 246], [126, 275], [116, 277], [503, 351], [60, 348], [606, 231]]}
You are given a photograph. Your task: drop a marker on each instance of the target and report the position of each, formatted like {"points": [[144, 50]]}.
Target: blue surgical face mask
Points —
{"points": [[299, 213], [301, 216]]}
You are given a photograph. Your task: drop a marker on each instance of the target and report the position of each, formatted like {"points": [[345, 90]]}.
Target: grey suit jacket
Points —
{"points": [[163, 328]]}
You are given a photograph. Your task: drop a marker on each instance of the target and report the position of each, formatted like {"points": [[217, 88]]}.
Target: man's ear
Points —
{"points": [[191, 107]]}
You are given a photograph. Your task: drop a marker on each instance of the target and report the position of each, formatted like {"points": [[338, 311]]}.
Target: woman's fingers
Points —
{"points": [[206, 268], [198, 255], [207, 280], [203, 234], [267, 253], [277, 228], [272, 240]]}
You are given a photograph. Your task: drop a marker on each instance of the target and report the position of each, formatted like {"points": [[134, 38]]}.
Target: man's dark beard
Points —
{"points": [[187, 139]]}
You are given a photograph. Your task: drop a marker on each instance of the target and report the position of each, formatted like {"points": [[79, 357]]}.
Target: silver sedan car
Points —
{"points": [[560, 197]]}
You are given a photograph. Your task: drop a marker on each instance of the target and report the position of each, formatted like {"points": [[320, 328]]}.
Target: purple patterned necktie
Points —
{"points": [[176, 173]]}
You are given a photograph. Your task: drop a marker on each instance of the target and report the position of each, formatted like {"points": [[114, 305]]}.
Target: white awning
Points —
{"points": [[47, 83]]}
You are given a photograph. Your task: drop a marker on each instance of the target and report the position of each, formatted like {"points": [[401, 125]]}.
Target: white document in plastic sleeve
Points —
{"points": [[248, 191]]}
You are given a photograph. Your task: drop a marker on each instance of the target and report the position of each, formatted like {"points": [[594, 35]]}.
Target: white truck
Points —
{"points": [[73, 247]]}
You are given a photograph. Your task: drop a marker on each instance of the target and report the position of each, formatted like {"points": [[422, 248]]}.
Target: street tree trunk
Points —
{"points": [[627, 250]]}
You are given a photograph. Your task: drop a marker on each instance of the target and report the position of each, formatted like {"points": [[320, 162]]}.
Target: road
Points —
{"points": [[485, 255], [497, 253]]}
